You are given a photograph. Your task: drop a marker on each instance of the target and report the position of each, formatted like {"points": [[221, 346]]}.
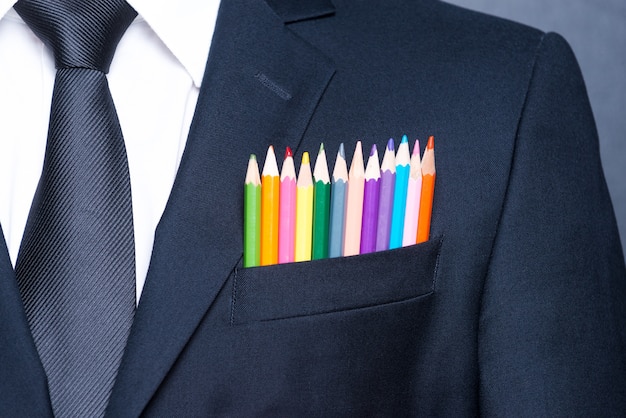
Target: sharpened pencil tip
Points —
{"points": [[405, 139], [252, 157], [431, 142], [391, 144], [288, 152], [416, 147], [321, 148], [342, 151], [373, 150], [270, 168], [305, 158]]}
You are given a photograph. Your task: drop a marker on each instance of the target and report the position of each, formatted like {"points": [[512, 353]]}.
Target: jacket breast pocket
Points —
{"points": [[336, 284]]}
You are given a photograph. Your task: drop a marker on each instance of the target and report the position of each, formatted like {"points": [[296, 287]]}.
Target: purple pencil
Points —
{"points": [[385, 206], [370, 203]]}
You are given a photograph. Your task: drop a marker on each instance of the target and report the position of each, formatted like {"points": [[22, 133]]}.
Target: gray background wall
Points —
{"points": [[596, 30]]}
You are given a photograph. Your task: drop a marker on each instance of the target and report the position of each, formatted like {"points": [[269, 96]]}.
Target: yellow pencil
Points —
{"points": [[304, 211]]}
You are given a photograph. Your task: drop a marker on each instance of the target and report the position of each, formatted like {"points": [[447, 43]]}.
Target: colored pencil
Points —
{"points": [[370, 203], [385, 206], [403, 167], [321, 206], [270, 203], [304, 211], [252, 215], [338, 204], [413, 195], [354, 204], [287, 217], [428, 191]]}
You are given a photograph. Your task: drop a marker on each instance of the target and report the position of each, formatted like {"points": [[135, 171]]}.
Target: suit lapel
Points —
{"points": [[260, 87], [23, 384]]}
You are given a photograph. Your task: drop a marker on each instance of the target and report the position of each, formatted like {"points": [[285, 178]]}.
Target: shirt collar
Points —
{"points": [[6, 7], [184, 26]]}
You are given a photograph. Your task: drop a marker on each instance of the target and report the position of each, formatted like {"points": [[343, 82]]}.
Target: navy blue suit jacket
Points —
{"points": [[516, 305]]}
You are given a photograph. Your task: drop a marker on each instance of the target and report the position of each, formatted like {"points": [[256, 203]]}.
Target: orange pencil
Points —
{"points": [[428, 191], [270, 203]]}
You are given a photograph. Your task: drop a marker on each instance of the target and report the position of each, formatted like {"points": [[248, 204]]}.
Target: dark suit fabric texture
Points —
{"points": [[516, 306]]}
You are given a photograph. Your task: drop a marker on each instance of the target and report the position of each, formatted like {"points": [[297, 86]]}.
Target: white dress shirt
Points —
{"points": [[154, 79]]}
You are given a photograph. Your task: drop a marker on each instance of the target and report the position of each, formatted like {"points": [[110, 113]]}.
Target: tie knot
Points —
{"points": [[82, 33]]}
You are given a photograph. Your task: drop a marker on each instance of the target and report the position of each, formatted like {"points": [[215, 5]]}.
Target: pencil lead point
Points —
{"points": [[431, 142], [416, 147]]}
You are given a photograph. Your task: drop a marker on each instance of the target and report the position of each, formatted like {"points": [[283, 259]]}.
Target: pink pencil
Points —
{"points": [[287, 212], [354, 205], [413, 195]]}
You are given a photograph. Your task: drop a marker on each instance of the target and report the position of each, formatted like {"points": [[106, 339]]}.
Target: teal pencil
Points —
{"points": [[321, 206], [338, 204], [403, 169]]}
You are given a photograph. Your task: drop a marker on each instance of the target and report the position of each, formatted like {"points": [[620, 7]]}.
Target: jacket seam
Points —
{"points": [[520, 120]]}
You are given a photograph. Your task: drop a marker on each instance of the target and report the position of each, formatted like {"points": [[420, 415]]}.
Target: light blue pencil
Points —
{"points": [[403, 169], [338, 204]]}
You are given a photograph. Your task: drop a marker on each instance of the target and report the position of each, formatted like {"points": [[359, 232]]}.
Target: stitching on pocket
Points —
{"points": [[437, 263], [234, 296], [356, 308], [272, 312]]}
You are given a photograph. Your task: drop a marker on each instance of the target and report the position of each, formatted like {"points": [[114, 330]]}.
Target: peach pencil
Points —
{"points": [[354, 204]]}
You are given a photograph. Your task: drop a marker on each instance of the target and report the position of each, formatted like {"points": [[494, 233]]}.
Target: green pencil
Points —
{"points": [[252, 215], [321, 206]]}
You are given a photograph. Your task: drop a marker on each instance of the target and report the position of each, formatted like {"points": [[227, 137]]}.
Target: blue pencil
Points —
{"points": [[403, 169], [338, 204]]}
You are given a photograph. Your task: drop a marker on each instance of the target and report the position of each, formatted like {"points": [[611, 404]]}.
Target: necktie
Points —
{"points": [[76, 266]]}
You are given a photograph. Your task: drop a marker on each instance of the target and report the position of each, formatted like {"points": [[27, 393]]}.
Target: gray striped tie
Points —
{"points": [[76, 266]]}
